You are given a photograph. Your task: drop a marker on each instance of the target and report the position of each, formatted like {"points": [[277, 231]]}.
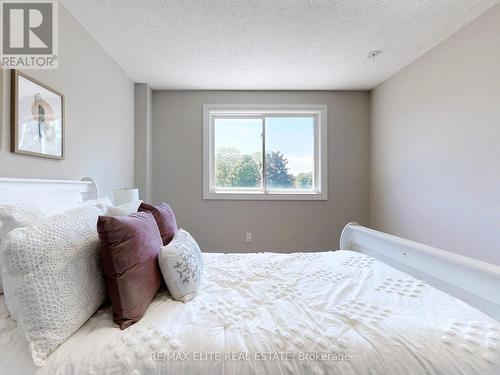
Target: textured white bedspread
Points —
{"points": [[362, 316]]}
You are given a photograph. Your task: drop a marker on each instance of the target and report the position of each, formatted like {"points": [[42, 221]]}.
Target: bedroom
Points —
{"points": [[267, 127]]}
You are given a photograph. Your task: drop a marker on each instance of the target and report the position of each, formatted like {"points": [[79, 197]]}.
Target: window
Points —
{"points": [[265, 152]]}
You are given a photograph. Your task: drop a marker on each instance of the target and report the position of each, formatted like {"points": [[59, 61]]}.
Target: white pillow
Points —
{"points": [[12, 217], [181, 265], [4, 313], [124, 209], [101, 203], [107, 207], [53, 277]]}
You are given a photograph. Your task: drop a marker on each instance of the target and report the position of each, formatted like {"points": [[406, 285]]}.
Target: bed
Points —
{"points": [[331, 312]]}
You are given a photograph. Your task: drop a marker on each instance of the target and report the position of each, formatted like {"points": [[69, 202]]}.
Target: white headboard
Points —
{"points": [[471, 280], [87, 187]]}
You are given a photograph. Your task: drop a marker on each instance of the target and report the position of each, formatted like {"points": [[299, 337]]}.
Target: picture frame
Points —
{"points": [[37, 118]]}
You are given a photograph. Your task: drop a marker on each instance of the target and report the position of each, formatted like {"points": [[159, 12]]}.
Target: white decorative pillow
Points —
{"points": [[53, 276], [124, 209], [4, 313], [12, 217], [101, 203], [181, 265]]}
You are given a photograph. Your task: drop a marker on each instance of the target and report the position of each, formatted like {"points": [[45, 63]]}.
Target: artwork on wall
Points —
{"points": [[37, 118]]}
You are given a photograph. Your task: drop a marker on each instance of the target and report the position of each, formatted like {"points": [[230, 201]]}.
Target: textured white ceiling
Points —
{"points": [[269, 44]]}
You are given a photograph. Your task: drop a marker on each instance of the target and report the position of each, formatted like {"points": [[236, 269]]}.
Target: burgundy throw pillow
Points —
{"points": [[129, 255], [165, 218]]}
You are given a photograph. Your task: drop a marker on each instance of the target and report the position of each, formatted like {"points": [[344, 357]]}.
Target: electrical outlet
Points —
{"points": [[248, 237]]}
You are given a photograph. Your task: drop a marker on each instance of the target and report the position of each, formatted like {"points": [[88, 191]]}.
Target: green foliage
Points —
{"points": [[304, 180], [246, 173], [232, 169], [226, 159], [277, 175]]}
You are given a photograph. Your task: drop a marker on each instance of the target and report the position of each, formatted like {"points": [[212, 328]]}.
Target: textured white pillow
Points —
{"points": [[4, 313], [32, 207], [181, 265], [53, 277], [12, 217]]}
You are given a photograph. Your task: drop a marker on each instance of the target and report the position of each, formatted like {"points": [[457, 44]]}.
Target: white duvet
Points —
{"points": [[306, 313]]}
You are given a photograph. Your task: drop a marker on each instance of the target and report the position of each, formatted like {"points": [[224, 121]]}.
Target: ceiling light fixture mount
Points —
{"points": [[372, 55]]}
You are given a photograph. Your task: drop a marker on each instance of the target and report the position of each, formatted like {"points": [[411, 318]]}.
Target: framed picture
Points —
{"points": [[37, 118]]}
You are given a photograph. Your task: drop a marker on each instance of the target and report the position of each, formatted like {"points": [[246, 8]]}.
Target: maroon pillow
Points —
{"points": [[165, 219], [129, 255]]}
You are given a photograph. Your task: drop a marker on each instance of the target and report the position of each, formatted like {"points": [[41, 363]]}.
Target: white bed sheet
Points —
{"points": [[284, 305]]}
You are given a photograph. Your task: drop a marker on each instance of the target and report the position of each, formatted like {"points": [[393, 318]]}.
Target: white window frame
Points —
{"points": [[320, 190]]}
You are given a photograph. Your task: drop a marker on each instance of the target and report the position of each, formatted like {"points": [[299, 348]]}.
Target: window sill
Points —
{"points": [[262, 196]]}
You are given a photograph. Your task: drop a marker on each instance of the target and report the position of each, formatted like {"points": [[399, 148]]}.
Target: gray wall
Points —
{"points": [[143, 137], [99, 115], [276, 225], [435, 160]]}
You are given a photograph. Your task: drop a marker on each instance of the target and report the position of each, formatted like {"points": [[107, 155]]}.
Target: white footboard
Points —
{"points": [[473, 281]]}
